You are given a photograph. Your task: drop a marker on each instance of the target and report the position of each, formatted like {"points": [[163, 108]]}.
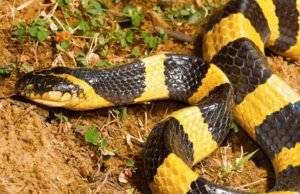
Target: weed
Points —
{"points": [[81, 59], [103, 143], [27, 67], [4, 71], [121, 113], [213, 6], [135, 53], [196, 17], [239, 163], [130, 163], [97, 22], [92, 136], [84, 25], [20, 31], [177, 14], [7, 69], [187, 13], [64, 2], [79, 128], [92, 7], [235, 127], [39, 30], [63, 45], [104, 64], [133, 14], [61, 118], [64, 124], [152, 41], [90, 17]]}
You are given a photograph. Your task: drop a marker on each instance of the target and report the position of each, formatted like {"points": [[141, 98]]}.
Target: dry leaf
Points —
{"points": [[123, 178], [128, 172], [62, 36]]}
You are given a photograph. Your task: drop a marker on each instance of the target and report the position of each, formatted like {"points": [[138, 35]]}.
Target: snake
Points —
{"points": [[229, 80]]}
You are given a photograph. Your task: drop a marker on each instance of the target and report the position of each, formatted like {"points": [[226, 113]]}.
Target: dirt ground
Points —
{"points": [[40, 153]]}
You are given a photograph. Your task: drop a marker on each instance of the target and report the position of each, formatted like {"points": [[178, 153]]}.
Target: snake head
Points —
{"points": [[54, 87]]}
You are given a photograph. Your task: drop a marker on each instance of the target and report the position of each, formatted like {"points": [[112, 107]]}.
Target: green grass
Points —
{"points": [[239, 163], [114, 29], [92, 136]]}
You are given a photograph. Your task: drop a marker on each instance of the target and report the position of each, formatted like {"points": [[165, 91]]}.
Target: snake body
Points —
{"points": [[236, 83]]}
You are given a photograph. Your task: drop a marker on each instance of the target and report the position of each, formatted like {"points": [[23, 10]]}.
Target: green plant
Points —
{"points": [[4, 71], [187, 13], [121, 113], [177, 14], [153, 41], [63, 45], [130, 163], [81, 59], [104, 64], [212, 6], [235, 127], [97, 22], [92, 7], [79, 128], [135, 53], [8, 68], [27, 67], [196, 17], [61, 117], [92, 136], [20, 31], [84, 25], [38, 29], [134, 14], [64, 2], [239, 163]]}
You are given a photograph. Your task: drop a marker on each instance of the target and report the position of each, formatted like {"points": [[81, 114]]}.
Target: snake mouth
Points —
{"points": [[49, 89], [51, 98]]}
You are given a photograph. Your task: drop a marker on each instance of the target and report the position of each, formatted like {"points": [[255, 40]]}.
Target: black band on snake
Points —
{"points": [[237, 82]]}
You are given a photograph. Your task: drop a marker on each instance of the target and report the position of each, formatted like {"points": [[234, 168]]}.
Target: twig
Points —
{"points": [[146, 122], [7, 96], [24, 113], [58, 60], [166, 112], [57, 20], [177, 35], [297, 63], [36, 53], [250, 184], [158, 19], [104, 181], [12, 8], [200, 4], [24, 5], [92, 47]]}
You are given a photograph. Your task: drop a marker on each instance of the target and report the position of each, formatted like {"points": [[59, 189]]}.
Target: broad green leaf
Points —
{"points": [[92, 136], [42, 35]]}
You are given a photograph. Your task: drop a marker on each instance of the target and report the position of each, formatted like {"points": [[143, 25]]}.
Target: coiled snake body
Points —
{"points": [[237, 82]]}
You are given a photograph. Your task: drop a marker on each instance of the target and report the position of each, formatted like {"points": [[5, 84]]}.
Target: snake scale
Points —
{"points": [[231, 81]]}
